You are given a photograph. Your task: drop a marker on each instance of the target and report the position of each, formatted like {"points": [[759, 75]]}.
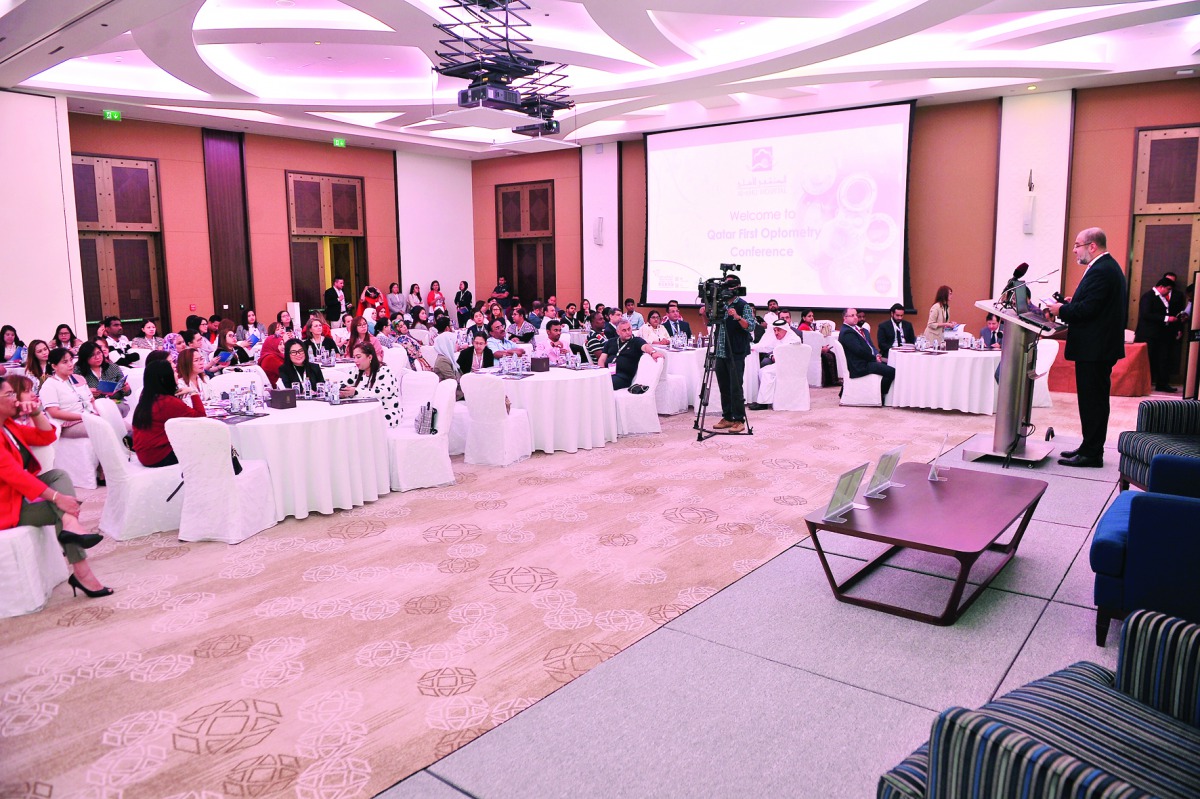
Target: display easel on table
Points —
{"points": [[1014, 404]]}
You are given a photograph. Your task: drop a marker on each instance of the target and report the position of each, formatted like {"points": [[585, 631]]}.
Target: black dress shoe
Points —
{"points": [[1068, 453], [1082, 460], [1167, 389], [85, 540], [758, 406]]}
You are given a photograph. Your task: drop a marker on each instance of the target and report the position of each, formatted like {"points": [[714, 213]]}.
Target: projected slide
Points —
{"points": [[812, 207]]}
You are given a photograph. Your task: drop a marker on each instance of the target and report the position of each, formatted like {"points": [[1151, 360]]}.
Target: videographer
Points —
{"points": [[730, 348]]}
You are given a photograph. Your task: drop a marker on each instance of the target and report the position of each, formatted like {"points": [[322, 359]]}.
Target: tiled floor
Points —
{"points": [[773, 688]]}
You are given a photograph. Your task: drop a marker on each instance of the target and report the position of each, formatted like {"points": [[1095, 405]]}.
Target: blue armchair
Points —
{"points": [[1146, 549]]}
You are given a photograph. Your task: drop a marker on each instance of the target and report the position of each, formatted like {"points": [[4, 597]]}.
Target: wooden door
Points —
{"points": [[121, 276], [308, 267]]}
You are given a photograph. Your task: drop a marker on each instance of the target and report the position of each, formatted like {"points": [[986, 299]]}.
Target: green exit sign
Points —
{"points": [[339, 142], [112, 116]]}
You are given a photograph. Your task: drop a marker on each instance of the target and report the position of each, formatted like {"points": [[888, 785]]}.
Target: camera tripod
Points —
{"points": [[710, 365]]}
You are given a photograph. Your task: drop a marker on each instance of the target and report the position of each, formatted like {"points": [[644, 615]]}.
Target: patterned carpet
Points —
{"points": [[331, 657]]}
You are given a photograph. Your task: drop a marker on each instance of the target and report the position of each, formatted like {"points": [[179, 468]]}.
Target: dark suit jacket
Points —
{"points": [[1152, 318], [1096, 314], [887, 335], [989, 338], [677, 328], [333, 312], [466, 356], [859, 351]]}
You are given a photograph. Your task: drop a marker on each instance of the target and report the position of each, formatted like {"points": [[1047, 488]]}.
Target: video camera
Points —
{"points": [[717, 292]]}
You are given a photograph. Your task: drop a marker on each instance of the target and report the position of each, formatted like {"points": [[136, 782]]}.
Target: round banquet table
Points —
{"points": [[568, 410], [689, 364], [339, 372], [962, 380], [322, 457]]}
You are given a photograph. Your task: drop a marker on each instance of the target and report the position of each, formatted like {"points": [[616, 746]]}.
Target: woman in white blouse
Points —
{"points": [[654, 332], [65, 395], [373, 379]]}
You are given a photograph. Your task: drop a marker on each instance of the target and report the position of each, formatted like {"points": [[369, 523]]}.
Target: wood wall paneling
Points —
{"points": [[229, 247], [87, 205], [133, 197]]}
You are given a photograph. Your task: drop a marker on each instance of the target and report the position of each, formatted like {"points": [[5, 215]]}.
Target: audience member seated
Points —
{"points": [[675, 324], [296, 366], [270, 358], [65, 338], [191, 378], [48, 498], [477, 356], [570, 317], [250, 326], [499, 344], [780, 335], [117, 346], [478, 325], [360, 331], [65, 396], [411, 347], [520, 329], [93, 366], [597, 337], [227, 343], [583, 316], [625, 351], [420, 319], [317, 344], [372, 299], [372, 378], [653, 331], [160, 401], [149, 340], [555, 346], [808, 320], [285, 329], [36, 363], [13, 346], [895, 332], [862, 357], [636, 320], [991, 334], [445, 365]]}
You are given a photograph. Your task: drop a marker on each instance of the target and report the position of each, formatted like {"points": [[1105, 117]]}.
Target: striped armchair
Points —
{"points": [[1164, 427], [1081, 732]]}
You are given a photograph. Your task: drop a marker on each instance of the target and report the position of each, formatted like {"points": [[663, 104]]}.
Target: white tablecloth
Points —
{"points": [[689, 364], [954, 381], [322, 457], [568, 410]]}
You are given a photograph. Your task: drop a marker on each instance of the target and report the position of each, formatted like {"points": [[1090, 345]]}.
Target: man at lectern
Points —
{"points": [[1096, 317]]}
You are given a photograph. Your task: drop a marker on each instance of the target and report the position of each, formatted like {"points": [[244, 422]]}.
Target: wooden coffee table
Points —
{"points": [[960, 518]]}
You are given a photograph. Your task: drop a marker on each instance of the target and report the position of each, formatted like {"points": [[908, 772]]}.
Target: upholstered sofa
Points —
{"points": [[1164, 427], [1146, 549], [1081, 732]]}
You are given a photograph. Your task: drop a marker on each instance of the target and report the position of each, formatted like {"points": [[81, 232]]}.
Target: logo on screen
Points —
{"points": [[762, 159]]}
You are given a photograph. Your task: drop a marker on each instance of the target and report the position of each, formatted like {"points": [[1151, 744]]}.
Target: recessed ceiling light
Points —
{"points": [[1185, 72], [285, 3], [742, 22], [316, 42], [1031, 88]]}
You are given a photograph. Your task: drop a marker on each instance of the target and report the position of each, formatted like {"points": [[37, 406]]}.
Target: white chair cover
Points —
{"points": [[495, 438], [863, 390], [77, 458], [31, 565], [815, 340], [110, 413], [396, 359], [429, 353], [416, 389], [672, 397], [419, 334], [418, 461], [638, 413], [458, 428], [791, 377], [136, 503], [217, 505], [140, 363], [1047, 351]]}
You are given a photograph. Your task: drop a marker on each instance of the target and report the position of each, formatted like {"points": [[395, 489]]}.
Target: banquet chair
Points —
{"points": [[815, 340], [423, 461], [420, 335], [495, 437], [416, 389], [136, 503], [1047, 351], [396, 359], [76, 457], [140, 363], [865, 390], [672, 397], [791, 377], [217, 504], [460, 424], [31, 565], [110, 413], [638, 413], [429, 353]]}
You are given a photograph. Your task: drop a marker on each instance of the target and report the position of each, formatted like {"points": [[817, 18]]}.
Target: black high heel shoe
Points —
{"points": [[85, 540], [73, 581]]}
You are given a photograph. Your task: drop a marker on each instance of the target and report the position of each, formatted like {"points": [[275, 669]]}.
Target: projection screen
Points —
{"points": [[812, 207]]}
